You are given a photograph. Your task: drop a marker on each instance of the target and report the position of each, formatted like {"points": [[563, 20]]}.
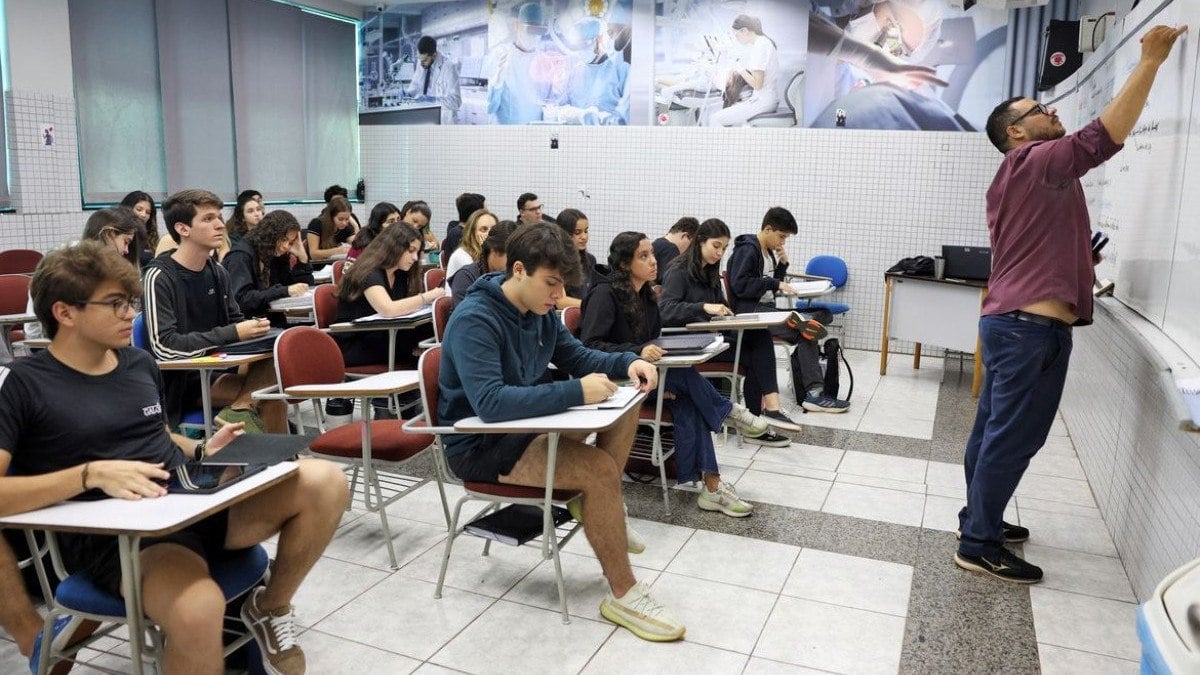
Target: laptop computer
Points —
{"points": [[968, 262], [684, 344]]}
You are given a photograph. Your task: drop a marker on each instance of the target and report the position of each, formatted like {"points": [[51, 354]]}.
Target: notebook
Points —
{"points": [[689, 343], [258, 345], [968, 262], [424, 311]]}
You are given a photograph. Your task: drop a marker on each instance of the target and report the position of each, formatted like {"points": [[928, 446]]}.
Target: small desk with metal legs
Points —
{"points": [[207, 364], [129, 521], [740, 323], [9, 321], [392, 326], [943, 312]]}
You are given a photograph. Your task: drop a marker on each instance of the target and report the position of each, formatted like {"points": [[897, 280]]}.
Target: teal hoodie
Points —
{"points": [[494, 363]]}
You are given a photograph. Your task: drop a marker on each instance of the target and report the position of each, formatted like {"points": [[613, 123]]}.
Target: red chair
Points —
{"points": [[495, 494], [441, 316], [308, 356], [19, 261], [571, 318], [339, 270], [14, 299], [434, 277]]}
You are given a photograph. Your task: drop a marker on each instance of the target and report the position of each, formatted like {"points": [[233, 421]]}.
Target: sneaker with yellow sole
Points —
{"points": [[642, 615]]}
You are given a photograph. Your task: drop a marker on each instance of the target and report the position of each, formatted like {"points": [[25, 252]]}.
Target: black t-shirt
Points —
{"points": [[203, 306], [53, 417], [339, 236], [351, 310]]}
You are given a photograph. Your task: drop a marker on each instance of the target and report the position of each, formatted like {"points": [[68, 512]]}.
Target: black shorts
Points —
{"points": [[98, 558], [494, 458]]}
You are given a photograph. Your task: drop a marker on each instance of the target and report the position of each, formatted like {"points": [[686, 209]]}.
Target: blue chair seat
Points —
{"points": [[236, 574], [834, 308]]}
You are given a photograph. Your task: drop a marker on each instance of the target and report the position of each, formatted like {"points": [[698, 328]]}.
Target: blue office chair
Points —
{"points": [[834, 269], [191, 419]]}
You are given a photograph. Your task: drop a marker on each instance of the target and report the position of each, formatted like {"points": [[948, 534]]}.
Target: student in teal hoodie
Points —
{"points": [[495, 354]]}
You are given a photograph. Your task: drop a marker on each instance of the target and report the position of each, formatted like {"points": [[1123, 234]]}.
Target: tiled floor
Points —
{"points": [[845, 567]]}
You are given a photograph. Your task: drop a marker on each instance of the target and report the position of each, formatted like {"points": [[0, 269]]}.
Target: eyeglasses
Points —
{"points": [[120, 306], [1037, 108], [533, 208]]}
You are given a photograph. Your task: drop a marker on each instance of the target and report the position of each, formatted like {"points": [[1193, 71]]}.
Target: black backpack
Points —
{"points": [[832, 351], [918, 266]]}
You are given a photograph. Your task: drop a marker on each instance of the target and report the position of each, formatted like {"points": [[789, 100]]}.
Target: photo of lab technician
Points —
{"points": [[721, 66], [436, 80]]}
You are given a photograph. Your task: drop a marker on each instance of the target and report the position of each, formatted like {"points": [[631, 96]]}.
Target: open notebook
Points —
{"points": [[421, 313], [620, 398]]}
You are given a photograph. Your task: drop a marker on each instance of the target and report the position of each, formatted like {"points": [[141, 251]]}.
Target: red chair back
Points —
{"points": [[14, 293], [339, 270], [434, 277], [325, 304], [571, 318], [441, 316], [728, 290], [307, 355], [429, 368], [19, 261]]}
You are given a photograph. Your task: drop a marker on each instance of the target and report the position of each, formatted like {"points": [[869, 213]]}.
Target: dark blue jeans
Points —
{"points": [[1026, 368], [698, 410]]}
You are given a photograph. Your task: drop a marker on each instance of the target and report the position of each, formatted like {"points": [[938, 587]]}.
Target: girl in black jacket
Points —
{"points": [[620, 314], [261, 266], [692, 292]]}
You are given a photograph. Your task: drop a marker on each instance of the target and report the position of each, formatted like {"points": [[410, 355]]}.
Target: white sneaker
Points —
{"points": [[642, 615], [634, 542], [746, 422], [725, 500]]}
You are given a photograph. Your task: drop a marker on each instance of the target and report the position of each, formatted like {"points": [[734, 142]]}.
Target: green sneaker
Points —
{"points": [[254, 423], [725, 500]]}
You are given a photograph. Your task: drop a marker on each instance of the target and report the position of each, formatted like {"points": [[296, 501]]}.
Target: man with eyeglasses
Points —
{"points": [[1040, 286], [84, 419], [529, 209]]}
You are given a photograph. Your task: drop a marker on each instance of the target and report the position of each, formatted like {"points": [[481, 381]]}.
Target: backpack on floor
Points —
{"points": [[831, 352]]}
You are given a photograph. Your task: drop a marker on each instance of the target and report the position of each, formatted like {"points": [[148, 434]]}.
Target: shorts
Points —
{"points": [[494, 457], [96, 556]]}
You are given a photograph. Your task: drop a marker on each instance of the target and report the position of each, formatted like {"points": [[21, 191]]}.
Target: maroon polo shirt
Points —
{"points": [[1039, 225]]}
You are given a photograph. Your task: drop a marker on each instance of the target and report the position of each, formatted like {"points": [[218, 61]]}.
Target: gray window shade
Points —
{"points": [[5, 195], [330, 103], [119, 111], [197, 104]]}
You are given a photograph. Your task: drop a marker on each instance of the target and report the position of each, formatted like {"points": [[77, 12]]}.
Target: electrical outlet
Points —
{"points": [[1091, 32], [554, 142]]}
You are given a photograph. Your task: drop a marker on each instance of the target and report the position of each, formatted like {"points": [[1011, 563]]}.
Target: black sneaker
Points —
{"points": [[770, 440], [1013, 534], [825, 404], [1004, 565], [777, 419]]}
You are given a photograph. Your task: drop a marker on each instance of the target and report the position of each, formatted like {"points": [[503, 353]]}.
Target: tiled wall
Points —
{"points": [[869, 197], [1144, 471]]}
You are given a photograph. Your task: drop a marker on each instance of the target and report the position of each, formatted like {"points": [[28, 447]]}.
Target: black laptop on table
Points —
{"points": [[967, 262], [686, 344]]}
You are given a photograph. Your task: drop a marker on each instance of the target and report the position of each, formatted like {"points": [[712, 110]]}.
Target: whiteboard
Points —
{"points": [[1138, 196]]}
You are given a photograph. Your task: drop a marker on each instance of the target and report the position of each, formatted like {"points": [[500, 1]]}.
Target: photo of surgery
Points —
{"points": [[729, 64], [902, 64]]}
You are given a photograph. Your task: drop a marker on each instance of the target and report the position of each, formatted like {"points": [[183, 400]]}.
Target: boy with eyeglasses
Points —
{"points": [[84, 418]]}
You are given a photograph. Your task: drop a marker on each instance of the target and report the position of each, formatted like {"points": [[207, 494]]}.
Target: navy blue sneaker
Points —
{"points": [[825, 404], [35, 656]]}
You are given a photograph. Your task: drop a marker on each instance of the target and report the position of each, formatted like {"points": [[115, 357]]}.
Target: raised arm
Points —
{"points": [[1122, 113]]}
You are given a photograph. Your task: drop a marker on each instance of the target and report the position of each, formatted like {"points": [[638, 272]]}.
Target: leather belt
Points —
{"points": [[1040, 320]]}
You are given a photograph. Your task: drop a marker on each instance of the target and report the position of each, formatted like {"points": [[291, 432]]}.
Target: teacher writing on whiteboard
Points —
{"points": [[1040, 286]]}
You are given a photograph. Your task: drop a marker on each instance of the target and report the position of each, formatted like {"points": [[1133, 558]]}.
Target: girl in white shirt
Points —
{"points": [[474, 232], [758, 67]]}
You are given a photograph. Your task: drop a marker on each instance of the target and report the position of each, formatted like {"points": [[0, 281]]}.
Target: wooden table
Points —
{"points": [[943, 312], [129, 521]]}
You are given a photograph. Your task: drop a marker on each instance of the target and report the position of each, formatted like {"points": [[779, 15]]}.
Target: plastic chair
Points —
{"points": [[339, 271], [828, 267], [77, 597], [307, 355], [19, 261], [191, 420], [14, 298], [495, 494], [571, 318], [434, 277]]}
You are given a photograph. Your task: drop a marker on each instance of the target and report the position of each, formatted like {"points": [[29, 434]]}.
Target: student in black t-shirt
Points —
{"points": [[85, 417], [190, 309], [260, 264], [329, 234], [385, 280], [466, 204], [678, 239]]}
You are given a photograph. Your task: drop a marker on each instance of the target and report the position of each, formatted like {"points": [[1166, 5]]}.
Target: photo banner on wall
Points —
{"points": [[864, 64]]}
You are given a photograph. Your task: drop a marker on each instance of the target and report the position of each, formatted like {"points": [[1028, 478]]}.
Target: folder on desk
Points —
{"points": [[415, 315], [683, 344], [258, 345]]}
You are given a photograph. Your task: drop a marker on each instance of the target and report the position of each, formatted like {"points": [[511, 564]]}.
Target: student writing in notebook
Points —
{"points": [[85, 416], [384, 280], [190, 309], [497, 347], [620, 314]]}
